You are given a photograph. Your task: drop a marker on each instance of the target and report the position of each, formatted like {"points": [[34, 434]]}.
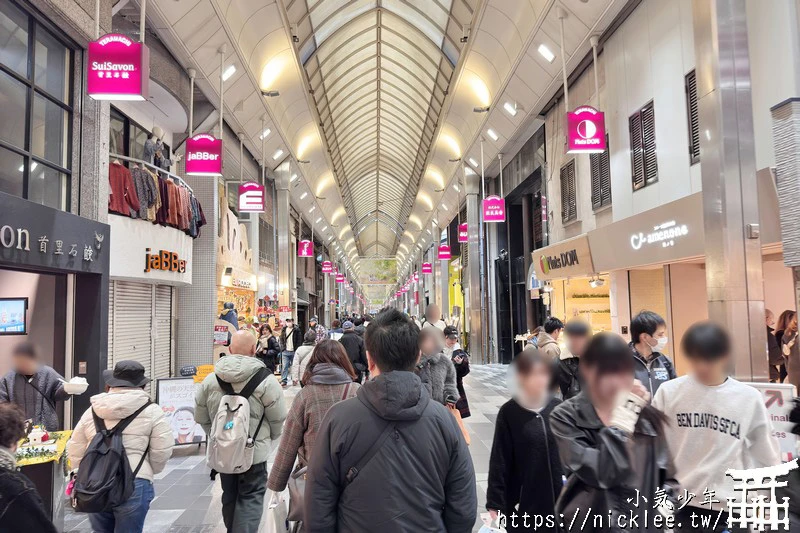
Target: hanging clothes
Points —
{"points": [[174, 204], [122, 197], [185, 216], [162, 215], [198, 219], [145, 190], [153, 208]]}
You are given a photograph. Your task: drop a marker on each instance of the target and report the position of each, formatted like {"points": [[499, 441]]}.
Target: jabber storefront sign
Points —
{"points": [[204, 156], [586, 131], [119, 69]]}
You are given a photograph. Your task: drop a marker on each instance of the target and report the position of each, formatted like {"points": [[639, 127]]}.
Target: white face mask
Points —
{"points": [[661, 343]]}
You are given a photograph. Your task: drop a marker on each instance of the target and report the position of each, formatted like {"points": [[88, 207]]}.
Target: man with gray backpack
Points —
{"points": [[241, 408]]}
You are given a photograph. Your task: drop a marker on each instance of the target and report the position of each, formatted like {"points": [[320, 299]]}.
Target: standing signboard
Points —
{"points": [[175, 396]]}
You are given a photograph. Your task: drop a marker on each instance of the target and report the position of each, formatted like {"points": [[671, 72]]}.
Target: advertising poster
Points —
{"points": [[176, 398]]}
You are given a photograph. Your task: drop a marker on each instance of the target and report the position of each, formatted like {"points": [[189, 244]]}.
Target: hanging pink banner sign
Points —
{"points": [[327, 267], [444, 252], [339, 278], [586, 131], [204, 156], [463, 232], [494, 209], [416, 276], [427, 268], [397, 294], [305, 249], [118, 69], [252, 197]]}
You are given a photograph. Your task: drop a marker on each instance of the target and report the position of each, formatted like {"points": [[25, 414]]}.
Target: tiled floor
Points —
{"points": [[187, 501]]}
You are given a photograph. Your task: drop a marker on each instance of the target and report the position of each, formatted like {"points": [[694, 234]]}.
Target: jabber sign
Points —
{"points": [[664, 234], [204, 156]]}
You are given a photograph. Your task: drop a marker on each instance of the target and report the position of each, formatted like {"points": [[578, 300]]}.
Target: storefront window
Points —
{"points": [[127, 138], [35, 115]]}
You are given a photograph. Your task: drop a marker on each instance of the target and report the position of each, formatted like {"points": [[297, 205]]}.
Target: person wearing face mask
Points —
{"points": [[648, 340]]}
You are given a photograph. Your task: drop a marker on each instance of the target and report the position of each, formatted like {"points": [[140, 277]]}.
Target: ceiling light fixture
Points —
{"points": [[228, 72], [303, 196], [312, 209], [456, 188], [546, 53], [324, 228], [510, 108], [490, 132], [270, 94], [473, 162], [277, 154], [264, 134], [294, 177], [318, 220]]}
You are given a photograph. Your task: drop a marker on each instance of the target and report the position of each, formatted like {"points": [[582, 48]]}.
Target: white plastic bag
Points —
{"points": [[275, 520]]}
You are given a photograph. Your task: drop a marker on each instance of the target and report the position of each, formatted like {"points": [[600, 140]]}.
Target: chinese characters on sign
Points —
{"points": [[427, 268], [20, 239], [118, 69], [327, 267], [305, 249], [444, 252], [252, 197], [463, 232], [586, 131], [204, 156], [339, 278], [494, 209]]}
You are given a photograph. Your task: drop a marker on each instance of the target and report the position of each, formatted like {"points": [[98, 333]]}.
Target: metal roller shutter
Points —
{"points": [[132, 309], [162, 342], [111, 325]]}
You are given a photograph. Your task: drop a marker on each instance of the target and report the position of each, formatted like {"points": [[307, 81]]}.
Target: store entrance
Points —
{"points": [[302, 317], [33, 309]]}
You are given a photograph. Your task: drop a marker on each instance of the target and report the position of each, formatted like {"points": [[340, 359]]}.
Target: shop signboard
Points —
{"points": [[252, 197], [778, 399], [327, 267], [416, 276], [202, 372], [305, 248], [339, 278], [427, 268], [463, 232], [565, 259], [118, 68], [586, 131], [444, 252], [494, 209], [204, 155], [221, 335], [175, 396]]}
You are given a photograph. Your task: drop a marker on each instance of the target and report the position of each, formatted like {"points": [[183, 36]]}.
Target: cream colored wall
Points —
{"points": [[689, 297], [778, 287]]}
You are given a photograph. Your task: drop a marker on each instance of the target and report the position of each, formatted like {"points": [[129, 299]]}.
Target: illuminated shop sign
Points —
{"points": [[427, 268], [252, 197], [463, 232], [204, 156], [562, 260], [444, 252], [586, 131], [163, 260], [494, 209], [118, 69], [305, 249], [664, 234], [327, 267]]}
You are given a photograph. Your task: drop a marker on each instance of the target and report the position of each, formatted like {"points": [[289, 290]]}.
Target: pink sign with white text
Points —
{"points": [[427, 268], [204, 156], [494, 209], [444, 252], [586, 131], [305, 249], [118, 68], [463, 232], [252, 197], [327, 267]]}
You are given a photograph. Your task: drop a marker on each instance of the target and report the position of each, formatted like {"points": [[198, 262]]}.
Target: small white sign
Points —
{"points": [[778, 401]]}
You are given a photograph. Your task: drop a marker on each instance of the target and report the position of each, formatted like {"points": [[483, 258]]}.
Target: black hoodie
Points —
{"points": [[421, 478]]}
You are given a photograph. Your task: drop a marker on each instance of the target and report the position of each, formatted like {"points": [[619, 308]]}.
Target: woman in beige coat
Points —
{"points": [[147, 439]]}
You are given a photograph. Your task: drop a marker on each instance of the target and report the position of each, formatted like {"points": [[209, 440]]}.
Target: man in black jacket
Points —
{"points": [[566, 374], [390, 460], [354, 346]]}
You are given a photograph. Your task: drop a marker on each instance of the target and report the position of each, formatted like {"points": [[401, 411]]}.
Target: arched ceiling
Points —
{"points": [[378, 73]]}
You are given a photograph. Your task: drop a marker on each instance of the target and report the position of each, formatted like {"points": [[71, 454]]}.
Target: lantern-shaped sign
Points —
{"points": [[252, 197], [118, 68], [327, 267], [339, 278], [204, 156], [586, 131], [494, 209], [427, 268], [444, 252], [305, 248], [463, 232]]}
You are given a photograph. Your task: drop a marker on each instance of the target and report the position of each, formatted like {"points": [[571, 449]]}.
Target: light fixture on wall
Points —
{"points": [[481, 109]]}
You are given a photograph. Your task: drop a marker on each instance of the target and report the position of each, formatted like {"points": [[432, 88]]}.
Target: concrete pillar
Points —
{"points": [[734, 278], [476, 327], [282, 177]]}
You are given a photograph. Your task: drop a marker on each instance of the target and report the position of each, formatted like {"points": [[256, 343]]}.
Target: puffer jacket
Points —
{"points": [[607, 469], [654, 370], [439, 376], [150, 428], [548, 345], [266, 400], [425, 456], [301, 358]]}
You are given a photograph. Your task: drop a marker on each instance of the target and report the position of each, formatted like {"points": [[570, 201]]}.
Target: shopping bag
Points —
{"points": [[457, 414], [276, 518]]}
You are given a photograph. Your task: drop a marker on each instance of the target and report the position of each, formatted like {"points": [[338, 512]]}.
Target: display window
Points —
{"points": [[583, 298]]}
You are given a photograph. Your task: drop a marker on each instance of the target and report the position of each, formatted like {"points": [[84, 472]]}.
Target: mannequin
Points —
{"points": [[153, 145]]}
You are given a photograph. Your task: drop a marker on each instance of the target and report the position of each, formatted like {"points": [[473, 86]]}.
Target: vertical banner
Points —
{"points": [[463, 232], [305, 248], [252, 197], [204, 156], [494, 209], [586, 131], [118, 69], [444, 252]]}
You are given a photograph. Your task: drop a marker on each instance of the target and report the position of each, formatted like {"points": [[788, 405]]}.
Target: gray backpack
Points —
{"points": [[230, 447]]}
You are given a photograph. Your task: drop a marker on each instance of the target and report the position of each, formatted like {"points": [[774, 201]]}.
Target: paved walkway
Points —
{"points": [[187, 501]]}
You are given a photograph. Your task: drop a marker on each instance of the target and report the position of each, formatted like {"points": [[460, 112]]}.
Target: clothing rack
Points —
{"points": [[157, 170]]}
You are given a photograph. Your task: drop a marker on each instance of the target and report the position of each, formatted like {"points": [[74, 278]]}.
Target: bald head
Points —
{"points": [[243, 343]]}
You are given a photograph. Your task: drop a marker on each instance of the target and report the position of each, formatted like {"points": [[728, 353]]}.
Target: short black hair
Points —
{"points": [[707, 341], [552, 324], [645, 322], [25, 348], [577, 328], [528, 359], [358, 321], [392, 341], [609, 354], [12, 424]]}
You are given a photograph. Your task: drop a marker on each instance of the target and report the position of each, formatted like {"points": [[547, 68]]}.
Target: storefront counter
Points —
{"points": [[46, 468]]}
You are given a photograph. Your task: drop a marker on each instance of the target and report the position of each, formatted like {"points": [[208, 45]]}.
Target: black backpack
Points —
{"points": [[105, 479]]}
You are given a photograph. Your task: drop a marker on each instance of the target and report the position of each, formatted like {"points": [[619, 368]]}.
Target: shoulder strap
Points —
{"points": [[367, 457], [346, 391], [122, 424], [254, 382], [226, 387]]}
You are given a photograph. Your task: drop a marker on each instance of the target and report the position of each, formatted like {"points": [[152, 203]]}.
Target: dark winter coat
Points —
{"points": [[354, 346], [37, 396], [21, 507], [269, 351], [654, 370], [462, 369], [439, 376], [605, 467], [524, 467], [566, 377], [297, 338], [426, 458]]}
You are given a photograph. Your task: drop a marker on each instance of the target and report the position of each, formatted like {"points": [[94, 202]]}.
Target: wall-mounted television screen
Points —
{"points": [[13, 316]]}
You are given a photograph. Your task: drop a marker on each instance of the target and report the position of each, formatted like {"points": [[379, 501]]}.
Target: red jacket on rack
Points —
{"points": [[122, 197]]}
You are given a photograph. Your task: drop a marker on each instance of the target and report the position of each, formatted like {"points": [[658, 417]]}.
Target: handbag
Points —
{"points": [[297, 482], [457, 414]]}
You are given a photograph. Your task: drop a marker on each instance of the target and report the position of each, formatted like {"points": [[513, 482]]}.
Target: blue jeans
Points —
{"points": [[128, 517], [286, 365]]}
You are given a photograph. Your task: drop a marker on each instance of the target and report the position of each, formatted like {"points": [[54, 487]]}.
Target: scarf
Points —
{"points": [[329, 374], [7, 459]]}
